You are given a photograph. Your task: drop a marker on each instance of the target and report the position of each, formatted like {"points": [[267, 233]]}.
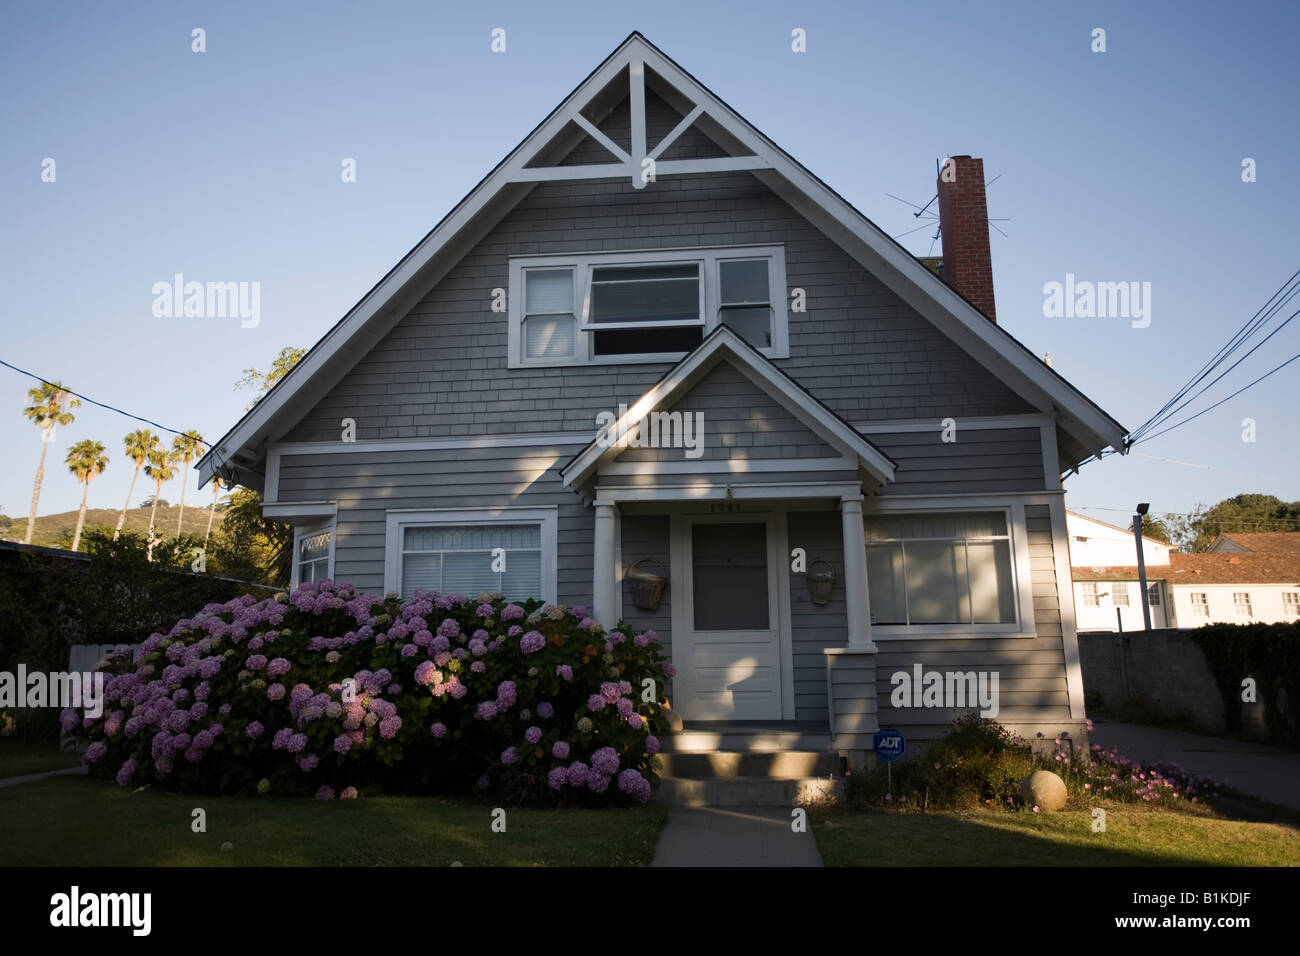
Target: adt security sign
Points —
{"points": [[889, 744]]}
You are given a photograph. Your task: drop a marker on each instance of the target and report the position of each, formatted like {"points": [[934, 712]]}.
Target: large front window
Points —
{"points": [[644, 306], [468, 551], [940, 569]]}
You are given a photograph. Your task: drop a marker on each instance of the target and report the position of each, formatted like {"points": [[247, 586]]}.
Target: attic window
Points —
{"points": [[655, 306]]}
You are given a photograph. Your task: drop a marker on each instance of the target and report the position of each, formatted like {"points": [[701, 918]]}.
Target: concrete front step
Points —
{"points": [[777, 765], [758, 741], [748, 791]]}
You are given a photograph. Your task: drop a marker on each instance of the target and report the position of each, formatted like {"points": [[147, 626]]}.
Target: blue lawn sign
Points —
{"points": [[888, 744]]}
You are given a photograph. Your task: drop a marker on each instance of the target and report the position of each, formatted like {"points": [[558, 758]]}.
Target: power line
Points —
{"points": [[1275, 303], [1218, 403], [86, 398]]}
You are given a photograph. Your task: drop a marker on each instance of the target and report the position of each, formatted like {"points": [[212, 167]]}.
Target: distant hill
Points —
{"points": [[55, 531]]}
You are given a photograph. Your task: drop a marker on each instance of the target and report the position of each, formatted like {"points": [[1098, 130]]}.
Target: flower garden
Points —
{"points": [[333, 693]]}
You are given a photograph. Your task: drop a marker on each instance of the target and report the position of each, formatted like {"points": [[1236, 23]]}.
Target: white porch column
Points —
{"points": [[856, 595], [604, 574]]}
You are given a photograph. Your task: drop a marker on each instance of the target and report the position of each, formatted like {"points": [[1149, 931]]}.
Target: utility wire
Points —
{"points": [[92, 401], [1218, 403], [1275, 303]]}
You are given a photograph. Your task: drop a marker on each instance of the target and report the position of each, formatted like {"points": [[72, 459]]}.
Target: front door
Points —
{"points": [[727, 629]]}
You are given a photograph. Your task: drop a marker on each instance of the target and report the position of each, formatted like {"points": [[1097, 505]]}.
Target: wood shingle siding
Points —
{"points": [[441, 371]]}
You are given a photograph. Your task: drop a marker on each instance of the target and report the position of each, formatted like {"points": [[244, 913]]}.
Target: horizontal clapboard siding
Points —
{"points": [[980, 460], [815, 627], [646, 536], [740, 422], [367, 485]]}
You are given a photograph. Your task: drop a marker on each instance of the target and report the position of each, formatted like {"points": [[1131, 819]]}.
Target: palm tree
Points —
{"points": [[86, 459], [49, 407], [161, 468], [137, 444], [216, 490], [185, 447]]}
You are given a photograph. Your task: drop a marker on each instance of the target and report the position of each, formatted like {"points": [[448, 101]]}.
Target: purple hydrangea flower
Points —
{"points": [[565, 672], [635, 785], [275, 692], [545, 710], [277, 667], [531, 642], [255, 730], [605, 761], [578, 774], [255, 662], [439, 729], [652, 744], [389, 726], [560, 750], [509, 756], [595, 703], [533, 734], [557, 778], [486, 710]]}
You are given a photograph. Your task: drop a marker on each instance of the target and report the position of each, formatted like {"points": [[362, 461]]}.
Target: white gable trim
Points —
{"points": [[331, 358], [725, 345]]}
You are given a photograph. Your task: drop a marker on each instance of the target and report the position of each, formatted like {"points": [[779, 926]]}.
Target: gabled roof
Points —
{"points": [[724, 345], [1193, 569], [1084, 428], [1127, 532], [1284, 542]]}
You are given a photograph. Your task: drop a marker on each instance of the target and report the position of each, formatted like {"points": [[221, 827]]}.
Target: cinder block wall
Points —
{"points": [[1166, 670]]}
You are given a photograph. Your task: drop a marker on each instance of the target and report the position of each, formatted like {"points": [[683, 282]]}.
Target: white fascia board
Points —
{"points": [[723, 344]]}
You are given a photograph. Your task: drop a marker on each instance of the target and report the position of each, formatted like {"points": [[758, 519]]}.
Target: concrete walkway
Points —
{"points": [[734, 836], [29, 777], [1269, 772]]}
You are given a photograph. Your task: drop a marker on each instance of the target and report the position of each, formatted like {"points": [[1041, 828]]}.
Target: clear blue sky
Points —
{"points": [[225, 166]]}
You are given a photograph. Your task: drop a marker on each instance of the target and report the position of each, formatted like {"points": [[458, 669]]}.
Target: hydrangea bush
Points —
{"points": [[331, 692]]}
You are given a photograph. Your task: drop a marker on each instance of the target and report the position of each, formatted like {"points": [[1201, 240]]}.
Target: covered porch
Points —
{"points": [[775, 487]]}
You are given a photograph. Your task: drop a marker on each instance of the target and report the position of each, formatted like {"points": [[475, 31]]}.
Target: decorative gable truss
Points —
{"points": [[626, 78]]}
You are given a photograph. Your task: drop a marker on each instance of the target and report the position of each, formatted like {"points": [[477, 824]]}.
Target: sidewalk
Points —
{"points": [[1269, 772], [734, 836], [29, 777]]}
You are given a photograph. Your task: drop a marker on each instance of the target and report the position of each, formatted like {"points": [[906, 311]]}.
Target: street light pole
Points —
{"points": [[1142, 565]]}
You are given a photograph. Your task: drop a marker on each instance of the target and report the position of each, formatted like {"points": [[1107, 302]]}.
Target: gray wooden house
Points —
{"points": [[650, 338]]}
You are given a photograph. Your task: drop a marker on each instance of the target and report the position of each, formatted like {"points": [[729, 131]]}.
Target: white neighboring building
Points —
{"points": [[1095, 543], [1243, 579]]}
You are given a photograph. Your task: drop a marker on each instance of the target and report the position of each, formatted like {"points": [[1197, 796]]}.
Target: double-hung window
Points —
{"points": [[1200, 604], [1241, 603], [1090, 594], [1291, 605], [466, 552], [643, 306], [1119, 593], [941, 569]]}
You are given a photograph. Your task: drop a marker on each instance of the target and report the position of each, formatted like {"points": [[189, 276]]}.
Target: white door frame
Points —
{"points": [[681, 585]]}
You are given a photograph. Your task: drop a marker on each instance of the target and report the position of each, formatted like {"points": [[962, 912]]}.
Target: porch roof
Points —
{"points": [[723, 345]]}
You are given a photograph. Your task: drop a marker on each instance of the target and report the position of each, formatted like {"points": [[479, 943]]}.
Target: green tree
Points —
{"points": [[161, 468], [136, 445], [50, 404], [1153, 527], [250, 545], [185, 448], [262, 382], [85, 460]]}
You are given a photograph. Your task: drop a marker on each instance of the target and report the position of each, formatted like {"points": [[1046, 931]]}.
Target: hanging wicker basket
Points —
{"points": [[821, 580], [647, 586]]}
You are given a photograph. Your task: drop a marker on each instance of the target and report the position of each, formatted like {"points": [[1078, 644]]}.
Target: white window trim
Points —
{"points": [[1199, 608], [1021, 569], [710, 293], [1089, 598], [547, 517], [306, 531]]}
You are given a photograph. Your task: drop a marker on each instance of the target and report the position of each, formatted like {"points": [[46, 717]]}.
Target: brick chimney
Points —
{"points": [[963, 218]]}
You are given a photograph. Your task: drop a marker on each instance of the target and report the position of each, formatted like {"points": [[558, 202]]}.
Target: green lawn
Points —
{"points": [[18, 757], [1135, 836], [80, 821]]}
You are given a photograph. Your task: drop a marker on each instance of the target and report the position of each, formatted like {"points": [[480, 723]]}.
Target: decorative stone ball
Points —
{"points": [[1045, 790]]}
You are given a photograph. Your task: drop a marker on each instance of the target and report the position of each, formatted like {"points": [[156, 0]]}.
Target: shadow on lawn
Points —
{"points": [[885, 839]]}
